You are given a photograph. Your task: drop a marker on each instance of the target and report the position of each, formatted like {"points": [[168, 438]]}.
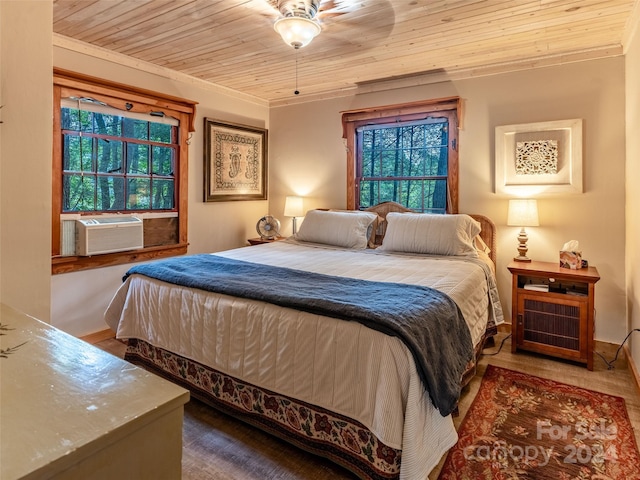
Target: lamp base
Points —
{"points": [[522, 247]]}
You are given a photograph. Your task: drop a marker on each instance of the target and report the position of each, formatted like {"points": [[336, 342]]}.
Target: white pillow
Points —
{"points": [[342, 229], [431, 234], [372, 230], [481, 246]]}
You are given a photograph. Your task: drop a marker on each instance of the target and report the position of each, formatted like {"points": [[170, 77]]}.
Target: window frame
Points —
{"points": [[125, 98], [449, 107]]}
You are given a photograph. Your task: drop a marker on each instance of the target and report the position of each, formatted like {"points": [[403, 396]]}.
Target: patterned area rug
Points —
{"points": [[525, 427]]}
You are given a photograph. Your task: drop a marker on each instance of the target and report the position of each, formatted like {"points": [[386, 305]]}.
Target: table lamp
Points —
{"points": [[522, 213], [293, 208]]}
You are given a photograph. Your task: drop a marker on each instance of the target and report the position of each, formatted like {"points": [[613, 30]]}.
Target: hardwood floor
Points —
{"points": [[219, 447]]}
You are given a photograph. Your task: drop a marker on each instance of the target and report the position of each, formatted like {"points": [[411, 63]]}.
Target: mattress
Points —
{"points": [[340, 366]]}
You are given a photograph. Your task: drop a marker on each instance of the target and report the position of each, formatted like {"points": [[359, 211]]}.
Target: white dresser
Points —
{"points": [[71, 411]]}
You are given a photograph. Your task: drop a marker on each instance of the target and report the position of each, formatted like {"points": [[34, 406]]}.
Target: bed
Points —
{"points": [[375, 398]]}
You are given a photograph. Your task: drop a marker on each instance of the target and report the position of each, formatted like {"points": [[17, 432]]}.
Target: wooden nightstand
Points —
{"points": [[260, 240], [558, 321]]}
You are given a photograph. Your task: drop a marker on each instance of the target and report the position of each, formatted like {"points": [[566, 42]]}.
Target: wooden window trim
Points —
{"points": [[142, 101], [405, 112]]}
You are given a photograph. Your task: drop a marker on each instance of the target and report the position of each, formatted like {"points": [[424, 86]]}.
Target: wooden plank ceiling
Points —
{"points": [[232, 43]]}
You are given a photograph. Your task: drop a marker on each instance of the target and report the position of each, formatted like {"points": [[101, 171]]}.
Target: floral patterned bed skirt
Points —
{"points": [[322, 432], [311, 428]]}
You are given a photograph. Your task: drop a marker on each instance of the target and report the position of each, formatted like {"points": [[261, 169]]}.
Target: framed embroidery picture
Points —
{"points": [[539, 158], [235, 162]]}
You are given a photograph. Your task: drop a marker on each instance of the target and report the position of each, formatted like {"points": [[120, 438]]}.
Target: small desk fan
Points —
{"points": [[268, 227]]}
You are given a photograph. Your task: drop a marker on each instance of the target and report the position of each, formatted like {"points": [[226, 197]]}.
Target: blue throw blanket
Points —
{"points": [[426, 320]]}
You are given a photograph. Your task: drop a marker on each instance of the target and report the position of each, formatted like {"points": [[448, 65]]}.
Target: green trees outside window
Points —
{"points": [[114, 163], [407, 164]]}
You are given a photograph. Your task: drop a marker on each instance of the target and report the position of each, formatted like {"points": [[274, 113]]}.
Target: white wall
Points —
{"points": [[79, 299], [308, 157], [25, 155], [632, 70]]}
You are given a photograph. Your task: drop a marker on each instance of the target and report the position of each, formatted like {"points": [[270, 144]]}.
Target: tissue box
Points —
{"points": [[572, 260]]}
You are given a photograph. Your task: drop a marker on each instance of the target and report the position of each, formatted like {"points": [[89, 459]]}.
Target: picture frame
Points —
{"points": [[235, 162], [539, 158]]}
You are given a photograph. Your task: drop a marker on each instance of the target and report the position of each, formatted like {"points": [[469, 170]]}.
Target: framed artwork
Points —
{"points": [[235, 162], [539, 158]]}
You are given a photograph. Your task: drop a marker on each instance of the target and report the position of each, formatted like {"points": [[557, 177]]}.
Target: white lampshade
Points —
{"points": [[293, 207], [297, 31], [523, 213]]}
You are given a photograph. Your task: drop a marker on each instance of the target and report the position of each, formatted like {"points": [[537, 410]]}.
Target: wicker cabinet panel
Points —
{"points": [[552, 326]]}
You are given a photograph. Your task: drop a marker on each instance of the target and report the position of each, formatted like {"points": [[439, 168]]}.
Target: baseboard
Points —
{"points": [[504, 328], [96, 337], [632, 366]]}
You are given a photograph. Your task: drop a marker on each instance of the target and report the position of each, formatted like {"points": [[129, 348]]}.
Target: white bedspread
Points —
{"points": [[341, 366]]}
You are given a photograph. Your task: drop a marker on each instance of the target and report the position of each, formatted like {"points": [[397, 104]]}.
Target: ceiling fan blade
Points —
{"points": [[273, 4], [314, 8], [332, 8], [304, 8]]}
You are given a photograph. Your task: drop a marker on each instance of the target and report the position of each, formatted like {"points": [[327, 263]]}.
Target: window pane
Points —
{"points": [[78, 193], [391, 163], [160, 132], [73, 157], [437, 161], [366, 163], [135, 129], [137, 159], [109, 156], [436, 197], [388, 191], [418, 163], [110, 193], [106, 124], [371, 163], [368, 194], [70, 119], [163, 194], [86, 121], [138, 193], [413, 194], [163, 161]]}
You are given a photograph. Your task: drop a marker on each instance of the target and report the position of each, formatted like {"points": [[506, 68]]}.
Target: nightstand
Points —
{"points": [[260, 240], [552, 310]]}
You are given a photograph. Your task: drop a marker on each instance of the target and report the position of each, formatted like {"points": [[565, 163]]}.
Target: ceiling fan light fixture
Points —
{"points": [[297, 31]]}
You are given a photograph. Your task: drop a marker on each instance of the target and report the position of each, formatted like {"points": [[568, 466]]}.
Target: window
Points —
{"points": [[118, 150], [116, 162], [403, 153]]}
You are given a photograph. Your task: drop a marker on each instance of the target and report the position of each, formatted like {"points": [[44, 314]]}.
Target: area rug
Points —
{"points": [[525, 427]]}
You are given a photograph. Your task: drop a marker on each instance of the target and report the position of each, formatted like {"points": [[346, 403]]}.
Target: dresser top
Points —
{"points": [[62, 397]]}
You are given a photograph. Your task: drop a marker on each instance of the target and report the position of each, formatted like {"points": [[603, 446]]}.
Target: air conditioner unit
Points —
{"points": [[108, 234]]}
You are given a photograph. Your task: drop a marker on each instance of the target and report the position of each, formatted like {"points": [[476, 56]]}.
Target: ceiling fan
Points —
{"points": [[298, 23]]}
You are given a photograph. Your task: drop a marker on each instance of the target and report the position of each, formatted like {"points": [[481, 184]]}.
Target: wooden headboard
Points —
{"points": [[487, 232]]}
